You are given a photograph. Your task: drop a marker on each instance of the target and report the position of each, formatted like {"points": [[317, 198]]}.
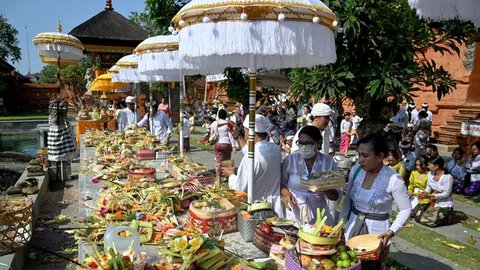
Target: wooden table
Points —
{"points": [[83, 125]]}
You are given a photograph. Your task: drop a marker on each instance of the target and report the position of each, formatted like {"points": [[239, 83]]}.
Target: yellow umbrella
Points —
{"points": [[104, 83]]}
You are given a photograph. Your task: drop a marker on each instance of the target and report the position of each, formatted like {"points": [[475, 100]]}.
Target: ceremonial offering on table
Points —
{"points": [[139, 173], [367, 246], [213, 216], [265, 236], [297, 261], [15, 223], [146, 154], [319, 238], [324, 181]]}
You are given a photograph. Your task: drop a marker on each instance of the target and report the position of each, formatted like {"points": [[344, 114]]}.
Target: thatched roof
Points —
{"points": [[109, 28], [5, 67]]}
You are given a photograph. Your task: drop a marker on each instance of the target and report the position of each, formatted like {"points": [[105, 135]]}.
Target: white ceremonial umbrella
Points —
{"points": [[62, 49], [159, 56], [126, 70], [438, 10], [270, 34], [58, 48]]}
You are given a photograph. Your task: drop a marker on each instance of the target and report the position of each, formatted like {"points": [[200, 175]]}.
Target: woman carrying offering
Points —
{"points": [[298, 167], [439, 191], [371, 190]]}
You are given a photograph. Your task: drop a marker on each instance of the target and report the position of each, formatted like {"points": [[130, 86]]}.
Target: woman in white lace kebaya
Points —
{"points": [[300, 166], [371, 190]]}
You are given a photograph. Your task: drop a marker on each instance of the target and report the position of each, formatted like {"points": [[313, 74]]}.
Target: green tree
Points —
{"points": [[9, 50], [161, 12], [381, 46], [70, 74], [145, 21], [48, 74]]}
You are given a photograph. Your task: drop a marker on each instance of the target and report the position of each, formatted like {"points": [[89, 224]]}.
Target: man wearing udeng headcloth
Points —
{"points": [[267, 167]]}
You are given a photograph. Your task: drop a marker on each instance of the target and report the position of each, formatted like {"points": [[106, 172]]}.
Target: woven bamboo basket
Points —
{"points": [[214, 223], [324, 181], [15, 223], [264, 241], [367, 247]]}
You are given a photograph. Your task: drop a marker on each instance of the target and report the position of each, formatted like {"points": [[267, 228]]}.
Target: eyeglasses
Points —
{"points": [[305, 143]]}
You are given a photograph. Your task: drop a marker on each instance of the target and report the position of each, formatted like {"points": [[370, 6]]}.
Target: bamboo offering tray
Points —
{"points": [[324, 181]]}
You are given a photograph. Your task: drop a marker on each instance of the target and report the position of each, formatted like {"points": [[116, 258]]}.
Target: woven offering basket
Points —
{"points": [[367, 247], [214, 223], [205, 180], [247, 227], [141, 173], [264, 241], [15, 223], [324, 181], [291, 262]]}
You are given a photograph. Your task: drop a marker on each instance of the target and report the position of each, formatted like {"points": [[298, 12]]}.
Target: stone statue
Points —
{"points": [[89, 79]]}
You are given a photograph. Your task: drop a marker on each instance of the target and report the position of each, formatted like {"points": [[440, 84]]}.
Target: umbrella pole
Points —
{"points": [[58, 110], [251, 126], [206, 89], [151, 109], [180, 122]]}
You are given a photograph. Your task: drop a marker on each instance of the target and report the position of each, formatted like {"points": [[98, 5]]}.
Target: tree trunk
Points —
{"points": [[376, 115]]}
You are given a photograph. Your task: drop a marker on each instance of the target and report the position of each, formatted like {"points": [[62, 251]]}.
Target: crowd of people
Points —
{"points": [[411, 175]]}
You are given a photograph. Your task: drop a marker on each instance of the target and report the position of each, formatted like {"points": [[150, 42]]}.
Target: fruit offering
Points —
{"points": [[344, 258], [319, 233]]}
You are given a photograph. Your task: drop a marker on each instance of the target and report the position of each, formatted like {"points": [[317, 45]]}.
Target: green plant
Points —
{"points": [[380, 58]]}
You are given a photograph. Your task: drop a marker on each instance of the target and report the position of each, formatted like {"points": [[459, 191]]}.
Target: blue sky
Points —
{"points": [[43, 16]]}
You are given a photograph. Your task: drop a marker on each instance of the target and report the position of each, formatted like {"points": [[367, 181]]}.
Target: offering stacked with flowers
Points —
{"points": [[319, 238], [110, 259], [188, 249]]}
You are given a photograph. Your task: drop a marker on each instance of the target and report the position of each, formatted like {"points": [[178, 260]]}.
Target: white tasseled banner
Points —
{"points": [[275, 44], [168, 64], [132, 75], [437, 10], [66, 52]]}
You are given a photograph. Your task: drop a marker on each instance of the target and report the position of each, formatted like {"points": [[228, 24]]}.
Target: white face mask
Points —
{"points": [[308, 151]]}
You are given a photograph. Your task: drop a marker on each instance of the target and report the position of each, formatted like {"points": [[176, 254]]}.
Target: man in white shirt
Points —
{"points": [[321, 113], [414, 120], [267, 168], [162, 126], [429, 113], [129, 116]]}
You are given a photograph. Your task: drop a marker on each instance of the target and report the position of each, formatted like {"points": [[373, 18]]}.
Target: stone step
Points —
{"points": [[450, 128], [454, 123], [449, 133], [462, 117], [469, 111]]}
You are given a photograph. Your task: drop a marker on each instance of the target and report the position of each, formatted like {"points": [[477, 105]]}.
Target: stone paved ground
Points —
{"points": [[65, 202]]}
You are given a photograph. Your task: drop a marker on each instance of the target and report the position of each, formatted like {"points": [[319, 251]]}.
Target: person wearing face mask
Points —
{"points": [[267, 165], [297, 167]]}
